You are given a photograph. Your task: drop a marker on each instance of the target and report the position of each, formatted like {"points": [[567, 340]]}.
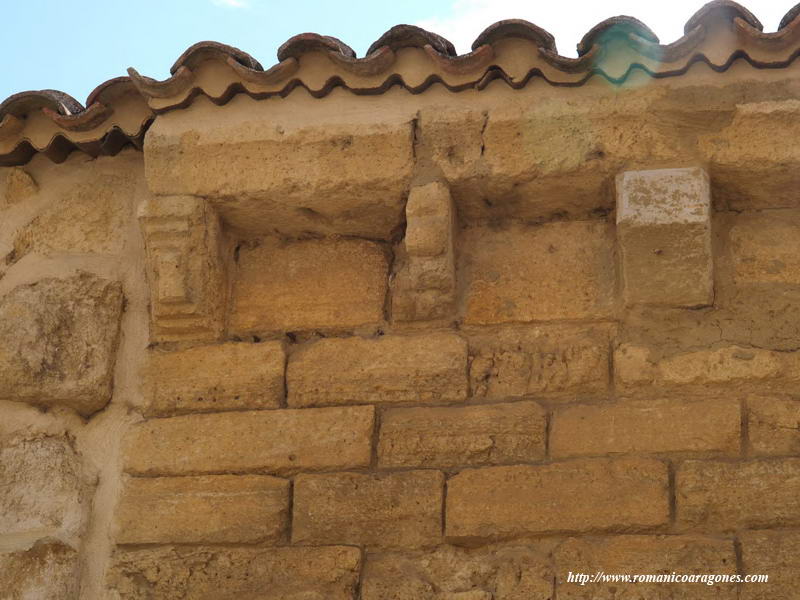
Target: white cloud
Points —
{"points": [[230, 3], [569, 20]]}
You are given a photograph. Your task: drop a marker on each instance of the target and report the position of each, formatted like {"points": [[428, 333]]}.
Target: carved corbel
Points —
{"points": [[183, 242], [424, 286]]}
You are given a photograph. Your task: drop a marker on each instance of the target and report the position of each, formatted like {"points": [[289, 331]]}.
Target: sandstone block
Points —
{"points": [[664, 231], [19, 185], [215, 378], [724, 496], [185, 268], [176, 573], [306, 285], [462, 436], [450, 573], [58, 339], [561, 270], [387, 369], [765, 247], [424, 285], [551, 361], [451, 139], [772, 553], [711, 426], [42, 492], [275, 441], [48, 570], [773, 425], [644, 554], [298, 170], [212, 509], [579, 495], [388, 510]]}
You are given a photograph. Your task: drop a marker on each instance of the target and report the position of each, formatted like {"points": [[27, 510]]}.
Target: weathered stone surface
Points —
{"points": [[424, 285], [386, 510], [775, 554], [89, 213], [649, 426], [387, 369], [58, 339], [551, 361], [41, 489], [298, 170], [185, 268], [578, 495], [765, 247], [642, 555], [462, 436], [306, 285], [753, 160], [664, 231], [215, 378], [45, 572], [450, 573], [202, 573], [212, 509], [636, 365], [724, 496], [773, 425], [274, 441], [19, 185], [561, 270]]}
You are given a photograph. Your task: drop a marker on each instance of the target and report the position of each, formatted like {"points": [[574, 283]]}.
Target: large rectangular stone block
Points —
{"points": [[58, 341], [554, 361], [578, 495], [307, 285], [219, 573], [765, 247], [521, 572], [388, 369], [664, 231], [642, 555], [775, 554], [773, 425], [647, 426], [386, 510], [561, 270], [726, 496], [215, 378], [211, 509], [297, 170], [462, 436], [275, 441]]}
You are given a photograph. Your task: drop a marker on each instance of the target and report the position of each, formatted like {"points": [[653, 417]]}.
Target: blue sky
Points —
{"points": [[73, 46]]}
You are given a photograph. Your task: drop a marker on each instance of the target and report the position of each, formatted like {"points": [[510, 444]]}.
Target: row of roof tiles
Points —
{"points": [[119, 111]]}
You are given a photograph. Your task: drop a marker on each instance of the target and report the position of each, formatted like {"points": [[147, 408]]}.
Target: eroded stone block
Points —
{"points": [[580, 495], [664, 232], [462, 436], [553, 361], [183, 239], [275, 441], [765, 247], [425, 283], [561, 270], [391, 368], [215, 378], [177, 573], [307, 285], [58, 339], [773, 425], [19, 185], [386, 510], [211, 509], [775, 554], [46, 571]]}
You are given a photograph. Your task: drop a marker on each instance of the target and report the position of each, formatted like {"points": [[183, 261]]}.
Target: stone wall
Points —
{"points": [[445, 347]]}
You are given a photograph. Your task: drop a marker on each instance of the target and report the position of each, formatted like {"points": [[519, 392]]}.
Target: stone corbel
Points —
{"points": [[185, 270], [424, 287]]}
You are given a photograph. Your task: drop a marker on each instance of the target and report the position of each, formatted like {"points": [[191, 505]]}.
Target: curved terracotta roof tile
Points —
{"points": [[118, 111]]}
